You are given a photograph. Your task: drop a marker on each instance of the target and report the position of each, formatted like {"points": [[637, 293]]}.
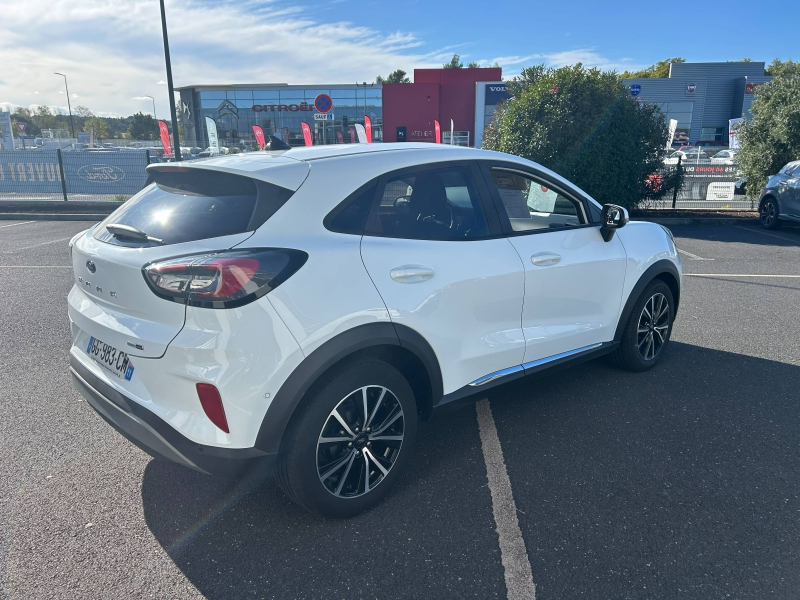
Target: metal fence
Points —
{"points": [[58, 175], [706, 185]]}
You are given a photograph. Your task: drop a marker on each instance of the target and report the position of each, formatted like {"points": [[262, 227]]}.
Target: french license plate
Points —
{"points": [[115, 361]]}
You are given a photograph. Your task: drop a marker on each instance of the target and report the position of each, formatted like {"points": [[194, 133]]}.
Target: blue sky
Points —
{"points": [[111, 50]]}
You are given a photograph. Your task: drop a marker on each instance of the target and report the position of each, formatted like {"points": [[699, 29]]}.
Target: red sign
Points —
{"points": [[438, 129], [164, 130], [323, 103], [750, 88], [339, 138], [21, 126], [352, 135], [307, 134], [368, 128], [259, 133]]}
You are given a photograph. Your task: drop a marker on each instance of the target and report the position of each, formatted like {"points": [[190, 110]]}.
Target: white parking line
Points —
{"points": [[692, 256], [780, 237], [36, 245], [735, 275], [514, 556], [15, 224], [35, 266]]}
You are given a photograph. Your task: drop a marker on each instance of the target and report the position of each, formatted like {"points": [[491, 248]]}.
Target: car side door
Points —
{"points": [[445, 269], [792, 194], [573, 278]]}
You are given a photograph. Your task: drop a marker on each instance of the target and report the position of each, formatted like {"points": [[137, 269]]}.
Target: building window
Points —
{"points": [[716, 134]]}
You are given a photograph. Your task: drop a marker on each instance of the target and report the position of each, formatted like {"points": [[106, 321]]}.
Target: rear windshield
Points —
{"points": [[193, 204]]}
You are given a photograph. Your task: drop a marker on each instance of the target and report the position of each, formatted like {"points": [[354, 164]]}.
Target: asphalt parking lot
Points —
{"points": [[681, 482]]}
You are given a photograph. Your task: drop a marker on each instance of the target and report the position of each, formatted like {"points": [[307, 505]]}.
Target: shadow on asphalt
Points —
{"points": [[788, 235], [434, 537], [681, 481]]}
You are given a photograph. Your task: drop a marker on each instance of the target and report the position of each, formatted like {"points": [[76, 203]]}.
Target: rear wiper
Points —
{"points": [[126, 232]]}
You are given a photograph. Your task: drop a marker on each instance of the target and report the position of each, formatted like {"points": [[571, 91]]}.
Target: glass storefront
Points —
{"points": [[279, 111]]}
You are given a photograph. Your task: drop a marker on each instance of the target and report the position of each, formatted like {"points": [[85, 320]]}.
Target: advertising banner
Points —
{"points": [[307, 134], [259, 133], [438, 130], [352, 135], [213, 140], [733, 134], [37, 172], [362, 135], [339, 137], [673, 126], [452, 141], [368, 128], [164, 131]]}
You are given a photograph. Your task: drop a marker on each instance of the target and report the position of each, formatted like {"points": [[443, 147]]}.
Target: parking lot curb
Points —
{"points": [[702, 220], [94, 217]]}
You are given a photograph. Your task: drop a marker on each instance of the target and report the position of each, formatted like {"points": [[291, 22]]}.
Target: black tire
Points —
{"points": [[633, 346], [768, 212], [305, 457]]}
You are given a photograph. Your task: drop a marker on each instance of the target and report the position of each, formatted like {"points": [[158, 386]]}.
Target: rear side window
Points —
{"points": [[351, 214], [193, 204]]}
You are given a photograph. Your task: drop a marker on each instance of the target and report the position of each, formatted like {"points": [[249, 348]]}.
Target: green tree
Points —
{"points": [[82, 111], [398, 76], [100, 127], [455, 63], [143, 127], [473, 65], [772, 137], [658, 70], [778, 67], [584, 125]]}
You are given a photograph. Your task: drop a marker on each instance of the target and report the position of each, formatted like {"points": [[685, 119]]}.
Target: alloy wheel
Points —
{"points": [[768, 213], [653, 326], [360, 441]]}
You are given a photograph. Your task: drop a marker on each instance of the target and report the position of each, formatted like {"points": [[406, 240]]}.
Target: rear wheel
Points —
{"points": [[350, 442], [647, 330], [768, 213]]}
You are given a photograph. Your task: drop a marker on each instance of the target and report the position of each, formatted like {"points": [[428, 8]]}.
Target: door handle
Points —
{"points": [[411, 273], [545, 259]]}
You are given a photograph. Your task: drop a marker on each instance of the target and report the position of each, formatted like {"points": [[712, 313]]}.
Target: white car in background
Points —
{"points": [[724, 157], [303, 310]]}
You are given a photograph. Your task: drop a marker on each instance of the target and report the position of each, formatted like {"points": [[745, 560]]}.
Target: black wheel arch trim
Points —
{"points": [[316, 364], [653, 271]]}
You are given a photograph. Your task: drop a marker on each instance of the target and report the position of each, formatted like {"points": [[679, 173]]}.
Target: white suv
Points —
{"points": [[304, 309]]}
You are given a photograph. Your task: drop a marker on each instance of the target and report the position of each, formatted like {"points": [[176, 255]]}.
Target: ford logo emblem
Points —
{"points": [[101, 173], [90, 266]]}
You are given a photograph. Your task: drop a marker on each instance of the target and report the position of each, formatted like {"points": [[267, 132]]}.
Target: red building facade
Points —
{"points": [[410, 109]]}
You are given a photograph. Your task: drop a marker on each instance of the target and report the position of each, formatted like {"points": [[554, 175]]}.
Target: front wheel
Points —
{"points": [[648, 329], [768, 213], [351, 441]]}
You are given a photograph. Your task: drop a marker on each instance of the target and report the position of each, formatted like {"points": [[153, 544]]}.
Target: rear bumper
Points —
{"points": [[156, 437]]}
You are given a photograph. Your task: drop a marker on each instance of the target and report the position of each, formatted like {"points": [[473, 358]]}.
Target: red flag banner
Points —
{"points": [[259, 133], [368, 128], [437, 128], [307, 134], [285, 134], [352, 135], [339, 138], [164, 130]]}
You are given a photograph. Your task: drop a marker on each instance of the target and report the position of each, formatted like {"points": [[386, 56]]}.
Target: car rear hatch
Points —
{"points": [[184, 210]]}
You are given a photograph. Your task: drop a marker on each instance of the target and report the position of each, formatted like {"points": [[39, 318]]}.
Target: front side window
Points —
{"points": [[434, 204], [533, 205]]}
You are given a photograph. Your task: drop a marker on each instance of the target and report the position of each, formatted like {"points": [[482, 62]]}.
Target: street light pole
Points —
{"points": [[69, 106], [154, 106], [175, 137]]}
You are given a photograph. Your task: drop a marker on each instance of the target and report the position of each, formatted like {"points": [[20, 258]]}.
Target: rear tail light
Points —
{"points": [[224, 279], [211, 402]]}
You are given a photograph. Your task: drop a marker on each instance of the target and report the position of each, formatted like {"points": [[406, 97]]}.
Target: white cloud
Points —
{"points": [[512, 65], [112, 50]]}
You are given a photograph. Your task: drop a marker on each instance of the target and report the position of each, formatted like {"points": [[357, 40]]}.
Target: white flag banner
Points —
{"points": [[451, 132], [733, 134], [361, 133], [673, 127], [213, 140]]}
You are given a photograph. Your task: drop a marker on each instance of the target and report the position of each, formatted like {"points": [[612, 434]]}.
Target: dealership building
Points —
{"points": [[703, 97]]}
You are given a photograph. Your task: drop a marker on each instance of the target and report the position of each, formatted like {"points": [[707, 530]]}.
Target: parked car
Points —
{"points": [[250, 312], [693, 155], [724, 157], [780, 198]]}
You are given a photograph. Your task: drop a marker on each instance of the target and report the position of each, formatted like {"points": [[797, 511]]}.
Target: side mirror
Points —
{"points": [[612, 218]]}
